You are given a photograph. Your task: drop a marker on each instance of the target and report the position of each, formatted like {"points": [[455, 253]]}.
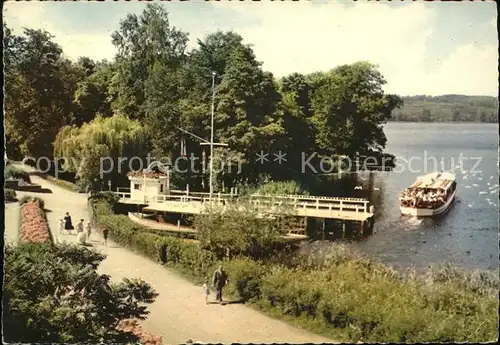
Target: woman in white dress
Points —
{"points": [[80, 238]]}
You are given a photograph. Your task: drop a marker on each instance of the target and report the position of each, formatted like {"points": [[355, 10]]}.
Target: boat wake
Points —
{"points": [[415, 221]]}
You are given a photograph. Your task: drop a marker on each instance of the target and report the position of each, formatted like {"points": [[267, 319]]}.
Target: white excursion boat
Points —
{"points": [[429, 195]]}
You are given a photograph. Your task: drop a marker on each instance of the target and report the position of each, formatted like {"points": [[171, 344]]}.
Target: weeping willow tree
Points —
{"points": [[98, 145]]}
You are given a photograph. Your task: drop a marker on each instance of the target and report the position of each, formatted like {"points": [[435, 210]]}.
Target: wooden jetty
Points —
{"points": [[188, 232], [307, 207]]}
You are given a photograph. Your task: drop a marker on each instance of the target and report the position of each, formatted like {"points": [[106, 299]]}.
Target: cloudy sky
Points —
{"points": [[421, 48]]}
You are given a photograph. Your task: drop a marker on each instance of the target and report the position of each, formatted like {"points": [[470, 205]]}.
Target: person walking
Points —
{"points": [[80, 234], [206, 291], [79, 226], [220, 280], [105, 233], [163, 254], [89, 229], [68, 225]]}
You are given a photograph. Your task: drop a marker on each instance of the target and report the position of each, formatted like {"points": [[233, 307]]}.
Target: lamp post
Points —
{"points": [[212, 140]]}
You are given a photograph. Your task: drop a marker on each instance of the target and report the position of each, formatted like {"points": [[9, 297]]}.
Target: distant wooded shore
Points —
{"points": [[447, 108]]}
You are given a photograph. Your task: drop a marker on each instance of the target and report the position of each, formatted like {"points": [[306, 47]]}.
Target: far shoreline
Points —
{"points": [[445, 122]]}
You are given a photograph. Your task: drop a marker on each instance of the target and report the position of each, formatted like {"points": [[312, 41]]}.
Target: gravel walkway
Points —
{"points": [[12, 218]]}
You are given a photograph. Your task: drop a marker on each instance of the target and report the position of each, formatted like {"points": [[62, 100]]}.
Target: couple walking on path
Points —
{"points": [[219, 280], [67, 225]]}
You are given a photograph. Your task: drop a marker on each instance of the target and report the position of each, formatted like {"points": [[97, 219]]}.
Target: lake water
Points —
{"points": [[467, 235]]}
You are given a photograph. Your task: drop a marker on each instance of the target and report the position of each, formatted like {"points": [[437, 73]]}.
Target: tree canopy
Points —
{"points": [[39, 89], [157, 82], [99, 143]]}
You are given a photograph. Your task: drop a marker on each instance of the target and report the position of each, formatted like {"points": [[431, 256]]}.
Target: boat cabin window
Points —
{"points": [[137, 186], [423, 197]]}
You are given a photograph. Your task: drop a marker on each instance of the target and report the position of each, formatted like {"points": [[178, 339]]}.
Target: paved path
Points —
{"points": [[179, 312], [12, 218]]}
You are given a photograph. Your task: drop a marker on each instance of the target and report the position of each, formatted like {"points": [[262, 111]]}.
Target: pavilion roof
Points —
{"points": [[147, 174]]}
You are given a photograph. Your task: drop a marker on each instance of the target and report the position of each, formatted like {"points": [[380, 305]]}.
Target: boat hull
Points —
{"points": [[428, 212]]}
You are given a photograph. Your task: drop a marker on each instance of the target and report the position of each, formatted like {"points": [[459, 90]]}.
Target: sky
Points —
{"points": [[430, 48]]}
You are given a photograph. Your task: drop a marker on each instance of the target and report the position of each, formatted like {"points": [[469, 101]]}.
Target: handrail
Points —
{"points": [[306, 197], [313, 205], [123, 195], [173, 191], [299, 202]]}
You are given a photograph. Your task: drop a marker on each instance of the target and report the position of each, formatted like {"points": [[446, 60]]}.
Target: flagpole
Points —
{"points": [[212, 140]]}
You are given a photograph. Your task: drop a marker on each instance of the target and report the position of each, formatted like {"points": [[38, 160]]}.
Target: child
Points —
{"points": [[89, 230], [206, 291], [61, 226], [105, 233], [79, 226]]}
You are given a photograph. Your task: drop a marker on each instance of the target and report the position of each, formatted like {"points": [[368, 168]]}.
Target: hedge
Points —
{"points": [[182, 254], [348, 298], [59, 182]]}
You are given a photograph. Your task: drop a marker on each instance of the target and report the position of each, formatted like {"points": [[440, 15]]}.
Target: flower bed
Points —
{"points": [[34, 227]]}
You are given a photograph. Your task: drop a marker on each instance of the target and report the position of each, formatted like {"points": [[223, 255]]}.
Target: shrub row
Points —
{"points": [[15, 173], [349, 297], [34, 227], [186, 255], [61, 183]]}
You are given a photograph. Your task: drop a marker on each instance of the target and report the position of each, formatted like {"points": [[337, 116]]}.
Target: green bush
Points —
{"points": [[15, 173], [55, 294], [61, 183], [10, 195], [368, 302], [281, 188], [235, 232], [28, 198], [245, 278]]}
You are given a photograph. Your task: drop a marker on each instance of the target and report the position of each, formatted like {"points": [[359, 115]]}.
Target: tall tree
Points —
{"points": [[39, 87], [98, 145], [246, 106], [143, 42], [296, 112], [13, 46], [350, 108], [92, 96]]}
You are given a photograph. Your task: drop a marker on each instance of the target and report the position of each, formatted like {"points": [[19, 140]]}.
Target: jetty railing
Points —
{"points": [[298, 203]]}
